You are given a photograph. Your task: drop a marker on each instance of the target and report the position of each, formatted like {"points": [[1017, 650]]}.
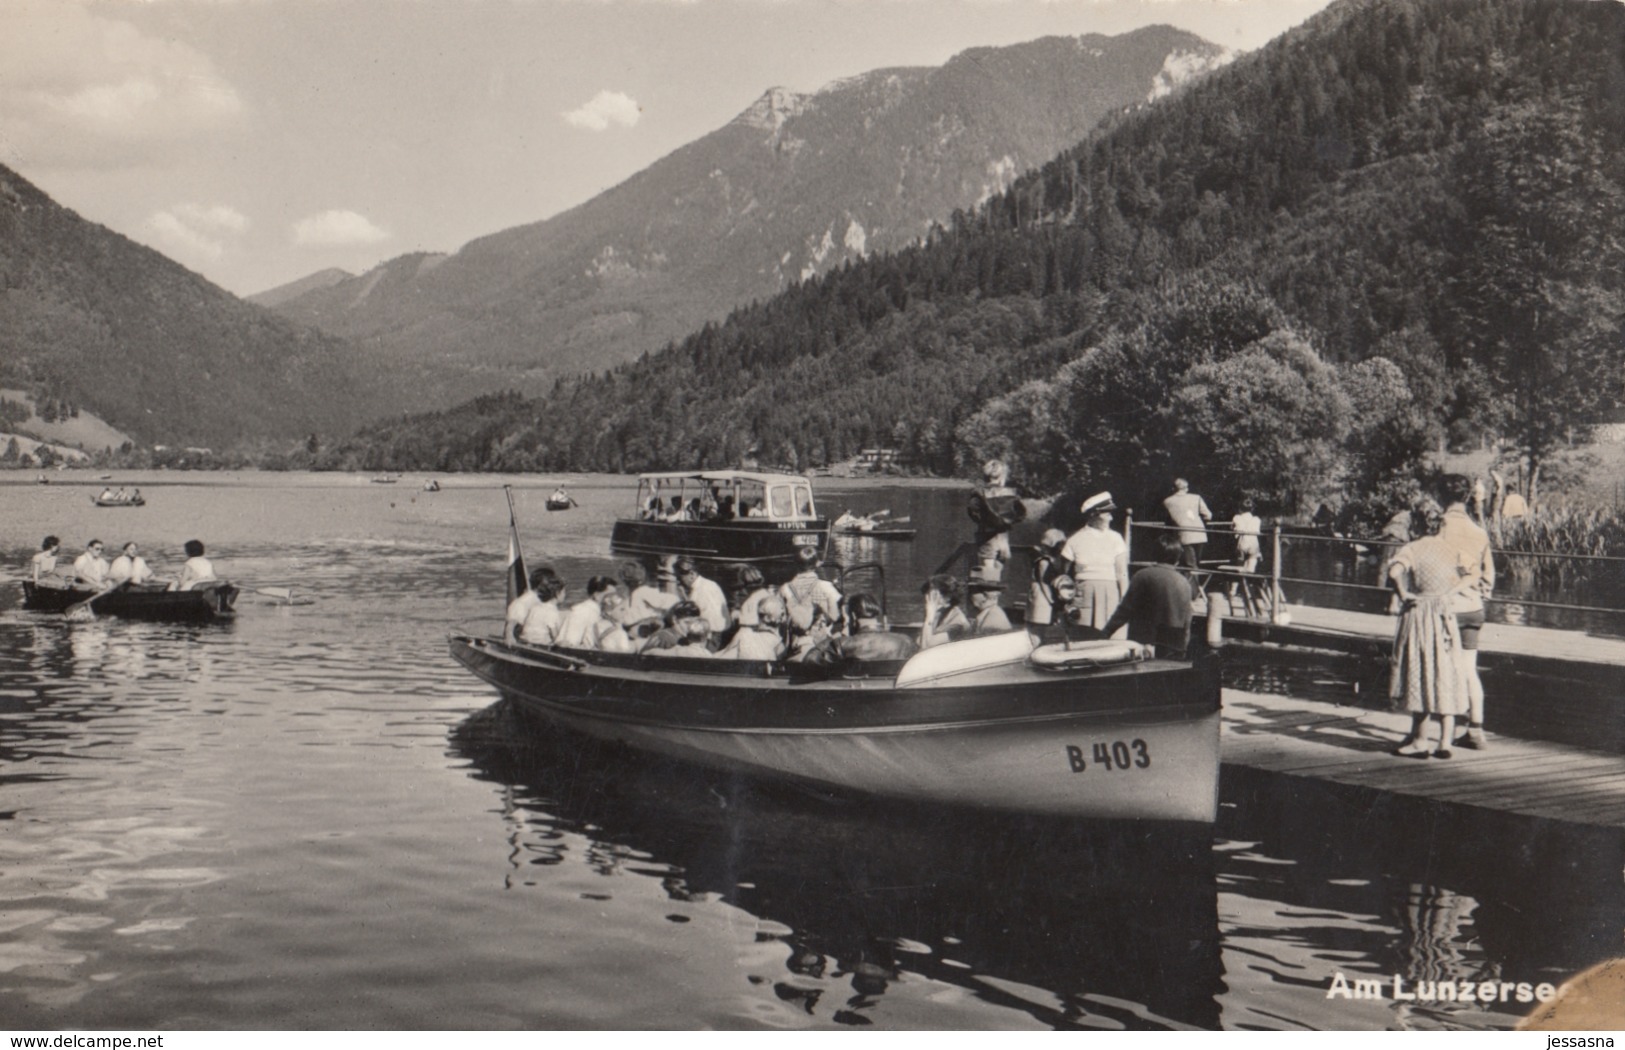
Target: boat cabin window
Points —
{"points": [[779, 500], [804, 503]]}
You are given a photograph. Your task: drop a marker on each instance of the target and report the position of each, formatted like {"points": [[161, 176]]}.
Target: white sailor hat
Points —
{"points": [[1098, 503]]}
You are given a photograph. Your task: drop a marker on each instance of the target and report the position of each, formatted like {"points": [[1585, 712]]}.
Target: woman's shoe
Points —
{"points": [[1411, 752], [1443, 752]]}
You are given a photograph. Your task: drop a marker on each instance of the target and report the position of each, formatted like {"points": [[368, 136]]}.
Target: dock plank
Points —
{"points": [[1293, 737]]}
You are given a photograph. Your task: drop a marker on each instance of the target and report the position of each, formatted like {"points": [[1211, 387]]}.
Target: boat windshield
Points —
{"points": [[679, 497]]}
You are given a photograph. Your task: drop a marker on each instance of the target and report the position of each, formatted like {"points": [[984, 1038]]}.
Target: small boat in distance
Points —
{"points": [[561, 500], [213, 600], [876, 526], [386, 479], [118, 501], [721, 517], [431, 485]]}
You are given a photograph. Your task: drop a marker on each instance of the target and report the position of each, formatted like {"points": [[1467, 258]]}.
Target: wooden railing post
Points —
{"points": [[1275, 574]]}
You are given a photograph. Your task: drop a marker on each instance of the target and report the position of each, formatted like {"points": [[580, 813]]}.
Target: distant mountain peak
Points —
{"points": [[776, 106]]}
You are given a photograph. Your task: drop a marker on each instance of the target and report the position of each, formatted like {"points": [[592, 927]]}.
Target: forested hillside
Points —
{"points": [[1437, 183], [92, 319]]}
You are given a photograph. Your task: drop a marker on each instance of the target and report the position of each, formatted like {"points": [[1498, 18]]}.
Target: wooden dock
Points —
{"points": [[1349, 746], [1570, 653]]}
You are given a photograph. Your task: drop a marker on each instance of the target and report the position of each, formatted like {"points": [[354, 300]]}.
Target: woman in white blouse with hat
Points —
{"points": [[1099, 560]]}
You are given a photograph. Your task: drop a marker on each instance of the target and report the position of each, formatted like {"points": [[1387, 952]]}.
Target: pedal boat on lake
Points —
{"points": [[1098, 730], [788, 520], [209, 601]]}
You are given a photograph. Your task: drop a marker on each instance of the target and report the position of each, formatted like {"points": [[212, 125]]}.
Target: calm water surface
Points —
{"points": [[312, 818]]}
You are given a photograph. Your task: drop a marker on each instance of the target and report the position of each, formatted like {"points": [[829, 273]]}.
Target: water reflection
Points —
{"points": [[1073, 925]]}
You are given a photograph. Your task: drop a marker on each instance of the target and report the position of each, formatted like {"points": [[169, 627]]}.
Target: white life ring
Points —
{"points": [[1082, 656]]}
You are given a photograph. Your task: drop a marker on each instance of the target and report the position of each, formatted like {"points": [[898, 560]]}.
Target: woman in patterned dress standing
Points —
{"points": [[1428, 672]]}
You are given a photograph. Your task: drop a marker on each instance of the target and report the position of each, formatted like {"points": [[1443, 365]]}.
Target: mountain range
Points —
{"points": [[1430, 190], [795, 186]]}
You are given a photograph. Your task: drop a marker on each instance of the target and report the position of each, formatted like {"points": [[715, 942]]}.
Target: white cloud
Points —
{"points": [[80, 88], [337, 228], [604, 109], [196, 232]]}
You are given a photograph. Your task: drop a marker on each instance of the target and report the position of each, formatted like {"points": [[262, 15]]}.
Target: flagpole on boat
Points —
{"points": [[517, 581]]}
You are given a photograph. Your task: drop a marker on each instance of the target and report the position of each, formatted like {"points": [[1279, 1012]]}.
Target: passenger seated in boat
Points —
{"points": [[135, 494], [867, 638], [763, 637], [42, 566], [747, 594], [751, 508], [643, 602], [607, 634], [704, 593], [988, 614], [651, 510], [945, 621], [1157, 605], [585, 614], [197, 569], [725, 508], [813, 603], [129, 567], [521, 606], [90, 568], [694, 510], [545, 619], [673, 630], [107, 494], [675, 511], [695, 640]]}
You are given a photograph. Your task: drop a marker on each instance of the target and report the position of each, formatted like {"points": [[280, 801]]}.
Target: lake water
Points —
{"points": [[312, 818]]}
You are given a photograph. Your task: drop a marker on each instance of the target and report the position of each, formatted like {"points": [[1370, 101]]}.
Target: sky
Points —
{"points": [[258, 141]]}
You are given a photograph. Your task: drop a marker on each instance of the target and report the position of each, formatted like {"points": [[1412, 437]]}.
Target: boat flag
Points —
{"points": [[517, 582]]}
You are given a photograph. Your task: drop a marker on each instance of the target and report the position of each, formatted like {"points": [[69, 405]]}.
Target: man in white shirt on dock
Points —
{"points": [[1476, 563]]}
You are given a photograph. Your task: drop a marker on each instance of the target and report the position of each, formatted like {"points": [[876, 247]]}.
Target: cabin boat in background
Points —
{"points": [[729, 517]]}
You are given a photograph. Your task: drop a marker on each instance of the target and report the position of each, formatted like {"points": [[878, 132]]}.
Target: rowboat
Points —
{"points": [[136, 501], [560, 504], [210, 601], [723, 517], [1093, 730]]}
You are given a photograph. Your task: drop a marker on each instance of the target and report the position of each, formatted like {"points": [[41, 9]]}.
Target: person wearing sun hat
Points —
{"points": [[983, 593], [1099, 561]]}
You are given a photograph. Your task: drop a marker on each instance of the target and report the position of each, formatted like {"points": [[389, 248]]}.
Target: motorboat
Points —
{"points": [[722, 517], [1097, 729]]}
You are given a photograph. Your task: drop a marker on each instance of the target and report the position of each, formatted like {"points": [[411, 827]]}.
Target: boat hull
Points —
{"points": [[1137, 742], [118, 502], [762, 542], [200, 605]]}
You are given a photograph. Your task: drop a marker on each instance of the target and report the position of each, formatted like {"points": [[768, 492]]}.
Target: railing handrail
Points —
{"points": [[1506, 552]]}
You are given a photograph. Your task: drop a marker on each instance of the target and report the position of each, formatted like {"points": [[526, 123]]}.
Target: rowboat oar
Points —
{"points": [[284, 595], [84, 610]]}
